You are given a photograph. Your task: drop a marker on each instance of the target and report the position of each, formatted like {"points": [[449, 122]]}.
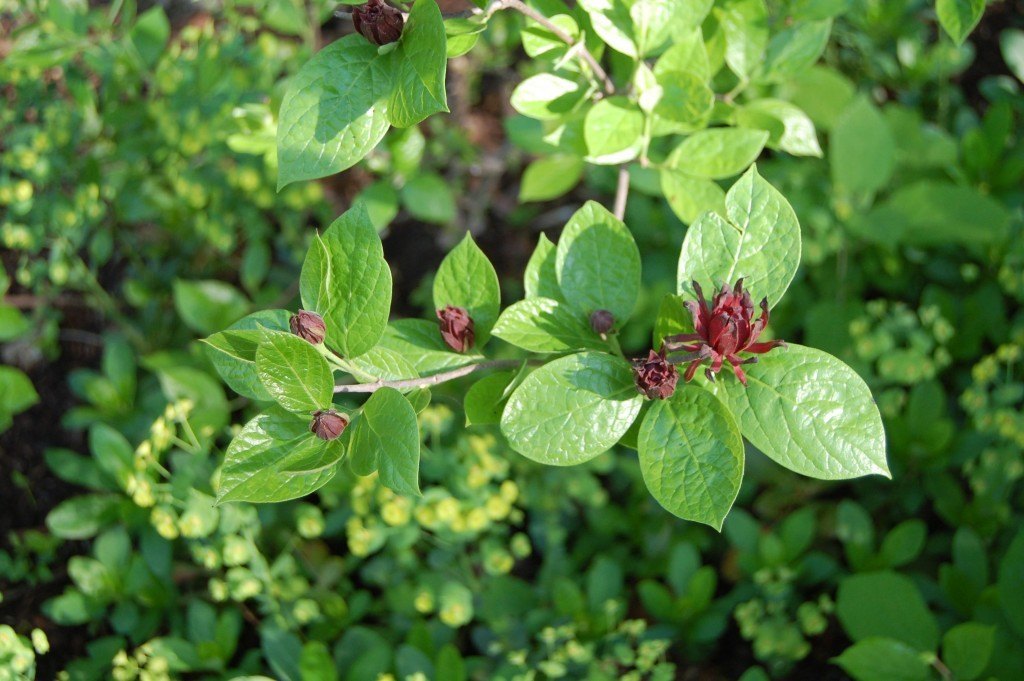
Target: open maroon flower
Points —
{"points": [[328, 424], [655, 376], [456, 328], [722, 332], [308, 326], [378, 22]]}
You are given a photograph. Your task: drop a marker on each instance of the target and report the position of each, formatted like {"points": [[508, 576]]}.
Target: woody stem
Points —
{"points": [[427, 381]]}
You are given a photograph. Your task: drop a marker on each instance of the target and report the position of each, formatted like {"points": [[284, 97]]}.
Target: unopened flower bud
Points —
{"points": [[308, 326], [654, 376], [328, 424], [602, 321], [456, 328], [378, 22]]}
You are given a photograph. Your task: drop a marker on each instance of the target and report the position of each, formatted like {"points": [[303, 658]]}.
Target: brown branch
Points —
{"points": [[531, 13], [427, 381]]}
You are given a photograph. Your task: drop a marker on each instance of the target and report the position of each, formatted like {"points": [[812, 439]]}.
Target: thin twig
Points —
{"points": [[621, 192], [427, 381], [531, 13]]}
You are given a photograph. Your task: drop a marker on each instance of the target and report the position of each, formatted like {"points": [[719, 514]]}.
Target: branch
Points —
{"points": [[621, 192], [427, 381], [526, 10]]}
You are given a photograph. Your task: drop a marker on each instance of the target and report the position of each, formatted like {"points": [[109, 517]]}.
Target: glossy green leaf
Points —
{"points": [[332, 114], [545, 325], [572, 409], [347, 281], [418, 67], [717, 153], [546, 96], [886, 604], [485, 399], [550, 177], [959, 17], [381, 364], [745, 25], [654, 22], [612, 21], [387, 434], [419, 342], [541, 277], [758, 240], [294, 373], [883, 659], [251, 464], [466, 279], [687, 55], [794, 49], [233, 351], [613, 131], [689, 197], [810, 413], [685, 105], [598, 263], [795, 131], [691, 455]]}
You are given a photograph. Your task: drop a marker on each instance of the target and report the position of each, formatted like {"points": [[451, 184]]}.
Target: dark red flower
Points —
{"points": [[721, 332], [308, 326], [655, 376], [328, 424], [602, 321], [456, 328], [378, 22]]}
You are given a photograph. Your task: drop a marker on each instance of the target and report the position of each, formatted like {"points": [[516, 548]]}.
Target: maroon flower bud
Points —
{"points": [[602, 321], [721, 331], [655, 376], [328, 424], [456, 328], [308, 326], [378, 22]]}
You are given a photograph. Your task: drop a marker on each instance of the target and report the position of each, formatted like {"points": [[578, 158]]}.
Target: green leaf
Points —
{"points": [[16, 391], [820, 91], [294, 373], [796, 134], [687, 55], [429, 198], [467, 279], [332, 114], [539, 41], [251, 463], [759, 240], [934, 212], [550, 177], [613, 131], [541, 277], [862, 151], [883, 659], [82, 517], [381, 202], [112, 452], [691, 456], [903, 543], [388, 434], [718, 152], [1010, 584], [745, 25], [420, 343], [418, 67], [1011, 44], [545, 325], [886, 604], [572, 409], [686, 103], [233, 351], [12, 323], [795, 49], [959, 17], [313, 455], [208, 306], [485, 399], [966, 649], [381, 364], [810, 413], [546, 96], [612, 21], [316, 663], [347, 281], [598, 263], [689, 197], [654, 21], [149, 35]]}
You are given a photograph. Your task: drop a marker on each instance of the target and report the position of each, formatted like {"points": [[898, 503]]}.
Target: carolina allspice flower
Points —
{"points": [[456, 328], [328, 424], [378, 22], [602, 321], [655, 376], [721, 332], [308, 326]]}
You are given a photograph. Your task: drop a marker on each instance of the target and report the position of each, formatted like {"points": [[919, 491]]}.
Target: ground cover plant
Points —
{"points": [[610, 339]]}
